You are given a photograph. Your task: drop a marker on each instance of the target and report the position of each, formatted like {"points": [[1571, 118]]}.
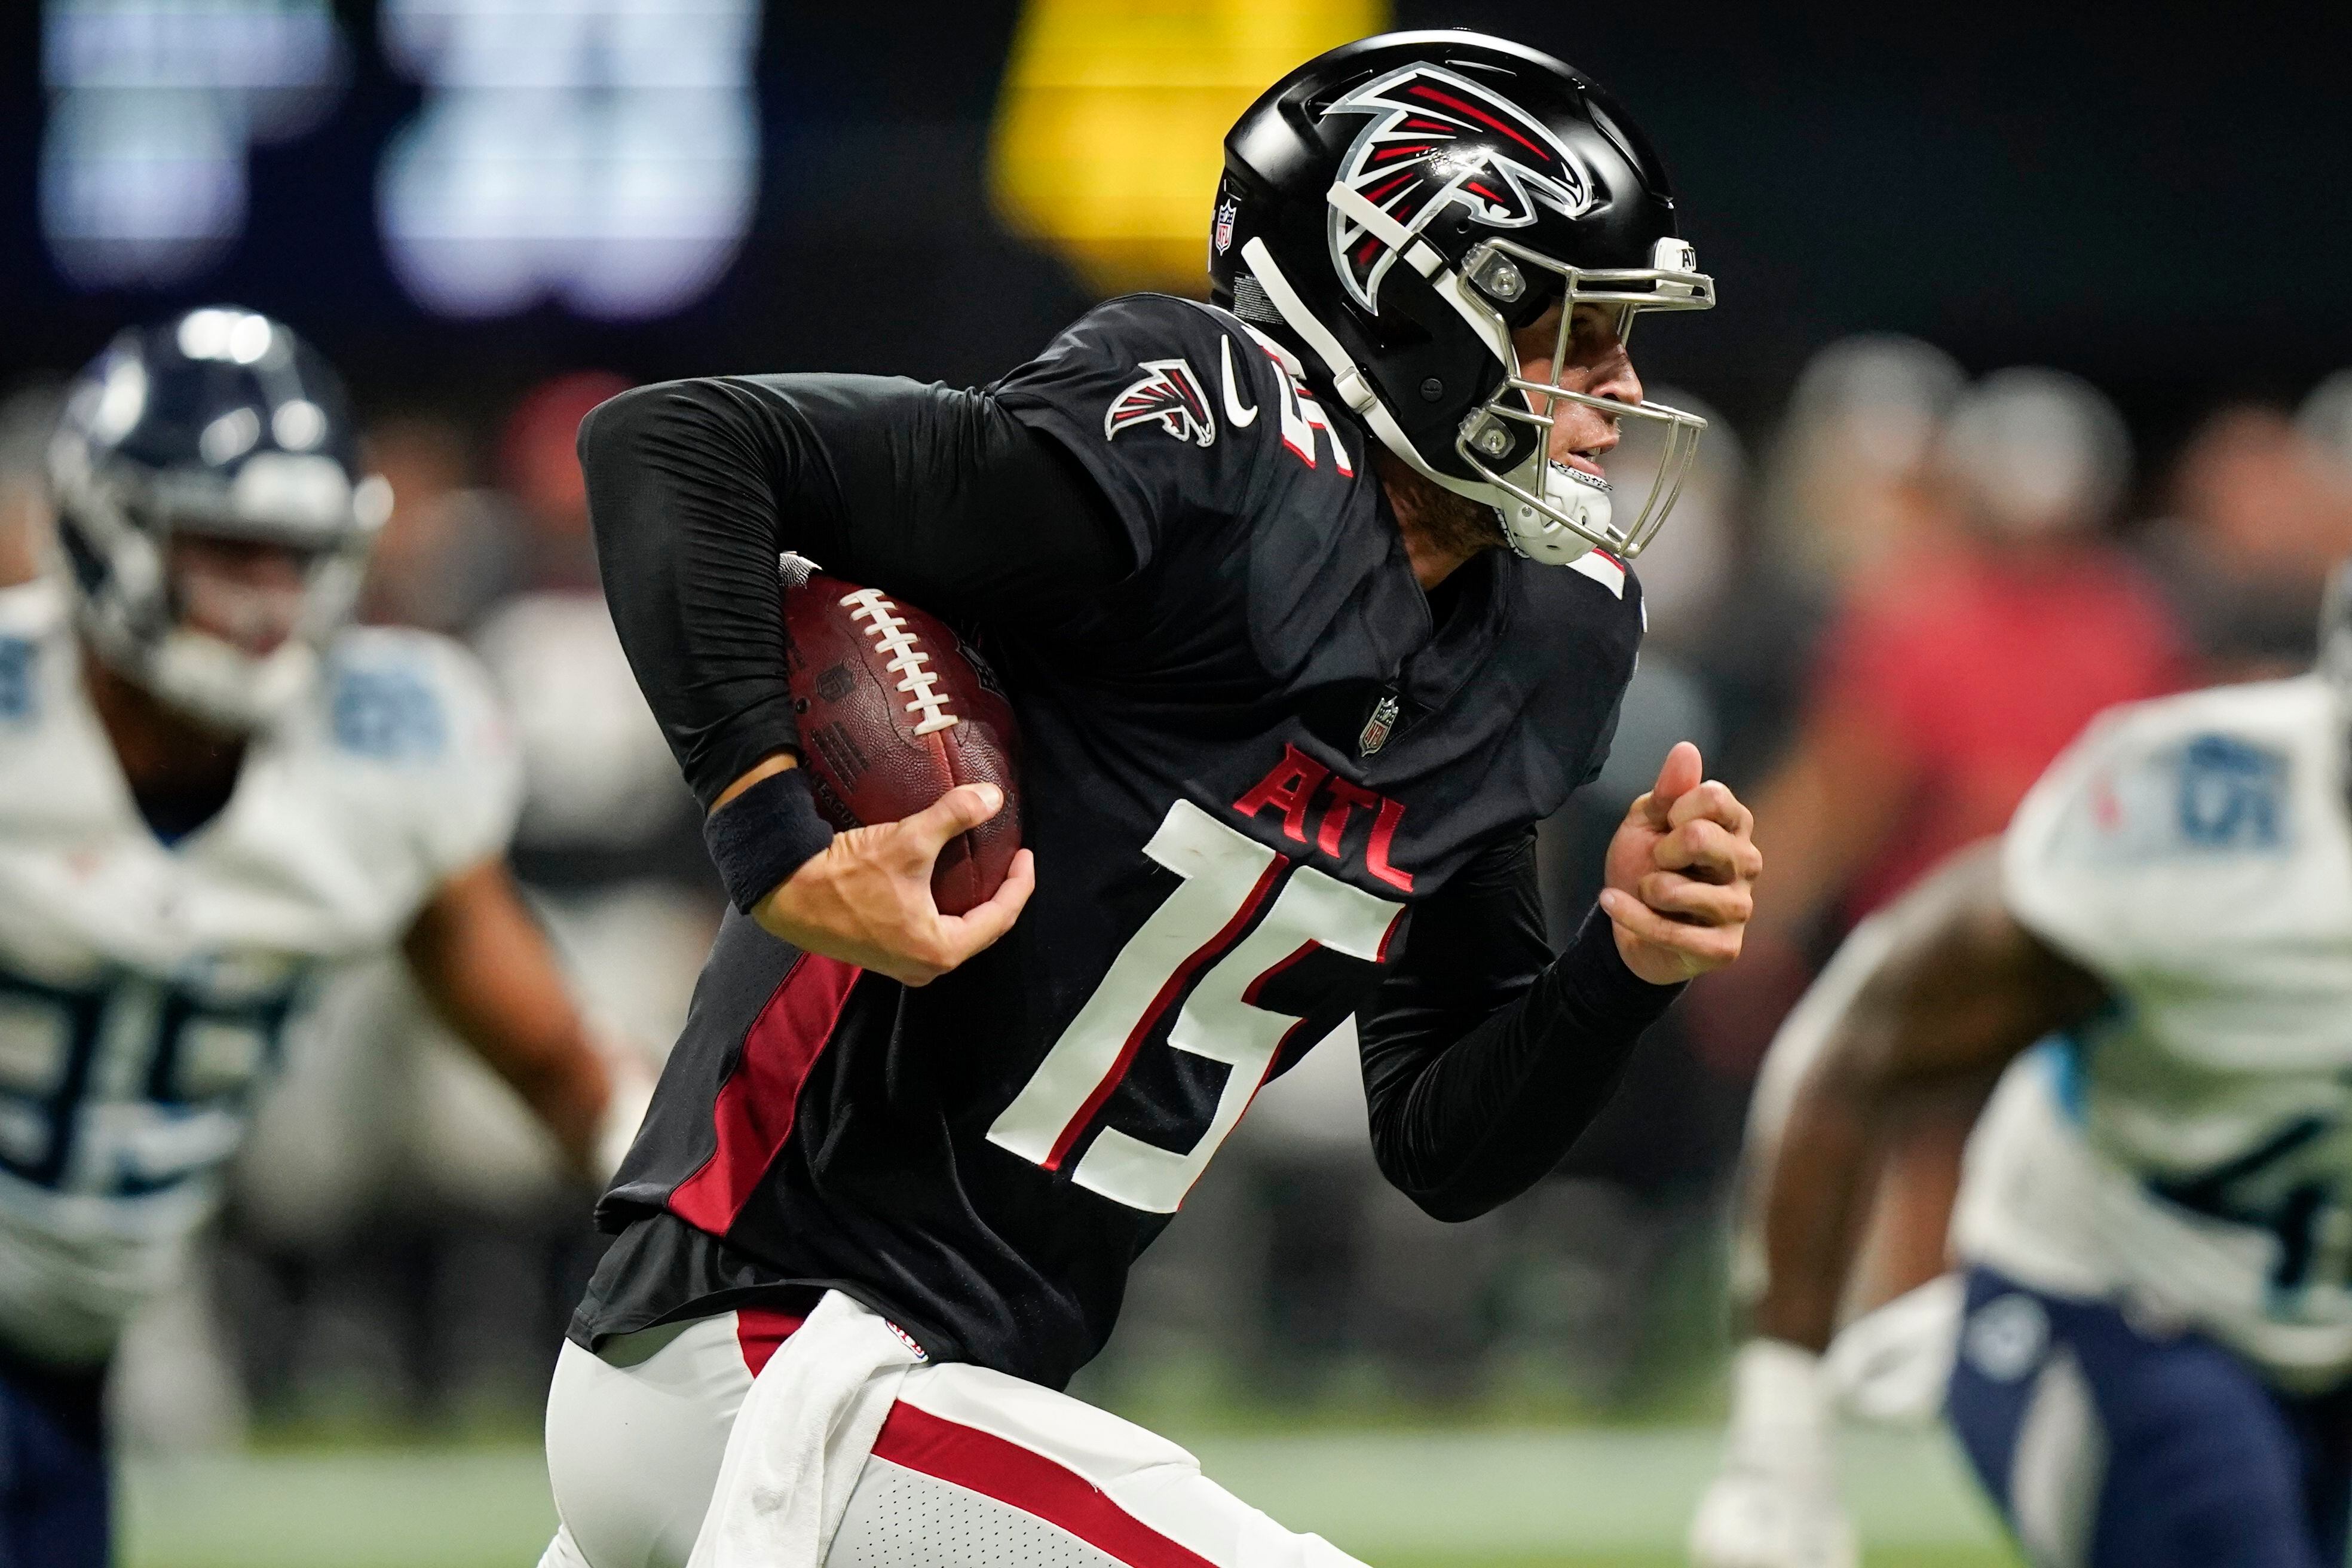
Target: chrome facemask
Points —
{"points": [[1551, 512], [1555, 513], [125, 600]]}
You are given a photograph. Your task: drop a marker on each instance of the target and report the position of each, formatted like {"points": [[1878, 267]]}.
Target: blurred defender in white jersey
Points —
{"points": [[210, 788], [2153, 968]]}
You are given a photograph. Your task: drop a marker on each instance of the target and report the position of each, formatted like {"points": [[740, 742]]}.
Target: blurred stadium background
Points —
{"points": [[1899, 583]]}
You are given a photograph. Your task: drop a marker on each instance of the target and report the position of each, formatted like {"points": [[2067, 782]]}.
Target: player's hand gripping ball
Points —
{"points": [[895, 711], [1681, 874]]}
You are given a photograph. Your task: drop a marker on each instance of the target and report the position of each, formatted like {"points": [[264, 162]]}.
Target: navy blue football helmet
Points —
{"points": [[221, 424]]}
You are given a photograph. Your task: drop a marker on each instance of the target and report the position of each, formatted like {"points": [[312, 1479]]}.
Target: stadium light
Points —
{"points": [[1109, 136]]}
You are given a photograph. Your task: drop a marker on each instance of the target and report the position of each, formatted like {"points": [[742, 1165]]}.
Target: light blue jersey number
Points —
{"points": [[131, 1086]]}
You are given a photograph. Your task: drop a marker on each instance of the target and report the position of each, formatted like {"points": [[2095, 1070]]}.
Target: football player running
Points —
{"points": [[1312, 603], [2154, 966], [211, 787]]}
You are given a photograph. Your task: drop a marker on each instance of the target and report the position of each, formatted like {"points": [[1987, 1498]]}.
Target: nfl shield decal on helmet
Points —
{"points": [[1439, 140], [1378, 727], [1222, 237], [1169, 395]]}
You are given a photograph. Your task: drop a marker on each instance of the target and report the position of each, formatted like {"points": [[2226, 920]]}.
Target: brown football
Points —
{"points": [[895, 711]]}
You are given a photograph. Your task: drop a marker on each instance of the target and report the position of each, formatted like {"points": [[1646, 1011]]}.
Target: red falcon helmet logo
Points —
{"points": [[1438, 140], [1169, 394]]}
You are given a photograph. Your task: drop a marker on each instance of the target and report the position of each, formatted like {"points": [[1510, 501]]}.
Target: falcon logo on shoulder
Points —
{"points": [[1169, 395], [1437, 140]]}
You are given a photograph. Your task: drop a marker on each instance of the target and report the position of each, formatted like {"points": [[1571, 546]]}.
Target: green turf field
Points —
{"points": [[1587, 1499]]}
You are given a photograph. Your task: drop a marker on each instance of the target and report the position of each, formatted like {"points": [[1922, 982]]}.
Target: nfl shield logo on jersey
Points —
{"points": [[1377, 727]]}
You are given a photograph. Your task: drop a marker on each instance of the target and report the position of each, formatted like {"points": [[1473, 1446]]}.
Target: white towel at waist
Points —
{"points": [[801, 1439]]}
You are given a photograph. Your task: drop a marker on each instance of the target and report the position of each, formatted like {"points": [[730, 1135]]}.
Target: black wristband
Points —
{"points": [[764, 835]]}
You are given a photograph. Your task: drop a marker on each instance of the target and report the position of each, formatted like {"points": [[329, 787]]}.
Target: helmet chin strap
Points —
{"points": [[215, 681], [1577, 494], [1528, 531], [207, 677]]}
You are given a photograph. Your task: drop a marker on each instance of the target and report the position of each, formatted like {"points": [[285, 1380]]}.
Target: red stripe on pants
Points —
{"points": [[753, 1113], [760, 1333], [984, 1463]]}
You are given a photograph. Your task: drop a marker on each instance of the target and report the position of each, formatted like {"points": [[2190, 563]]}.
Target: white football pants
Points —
{"points": [[972, 1467]]}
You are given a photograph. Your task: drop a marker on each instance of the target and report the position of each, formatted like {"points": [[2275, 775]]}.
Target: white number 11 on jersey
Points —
{"points": [[1227, 880]]}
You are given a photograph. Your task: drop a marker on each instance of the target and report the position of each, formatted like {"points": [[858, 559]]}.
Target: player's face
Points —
{"points": [[248, 594], [1596, 365]]}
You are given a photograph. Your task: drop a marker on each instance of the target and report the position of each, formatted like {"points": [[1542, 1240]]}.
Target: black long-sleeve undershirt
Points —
{"points": [[1484, 1057], [695, 487]]}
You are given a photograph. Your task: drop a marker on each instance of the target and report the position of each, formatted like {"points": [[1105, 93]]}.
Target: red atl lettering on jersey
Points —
{"points": [[1296, 783], [1345, 798], [1290, 786]]}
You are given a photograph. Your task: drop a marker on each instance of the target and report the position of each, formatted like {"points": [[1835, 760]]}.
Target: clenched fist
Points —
{"points": [[1681, 874]]}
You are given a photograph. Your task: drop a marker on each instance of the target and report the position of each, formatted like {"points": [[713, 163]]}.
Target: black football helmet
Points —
{"points": [[1397, 208], [220, 423]]}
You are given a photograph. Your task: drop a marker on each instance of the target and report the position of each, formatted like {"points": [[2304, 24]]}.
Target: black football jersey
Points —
{"points": [[1244, 765]]}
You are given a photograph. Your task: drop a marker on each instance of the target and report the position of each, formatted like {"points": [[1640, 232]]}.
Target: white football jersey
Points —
{"points": [[2189, 1151], [144, 987]]}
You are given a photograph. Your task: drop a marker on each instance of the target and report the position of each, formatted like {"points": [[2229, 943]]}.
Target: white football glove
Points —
{"points": [[1775, 1504], [1891, 1365], [631, 1097]]}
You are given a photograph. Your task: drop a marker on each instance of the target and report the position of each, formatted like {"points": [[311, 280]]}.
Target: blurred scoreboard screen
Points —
{"points": [[479, 159], [602, 155]]}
